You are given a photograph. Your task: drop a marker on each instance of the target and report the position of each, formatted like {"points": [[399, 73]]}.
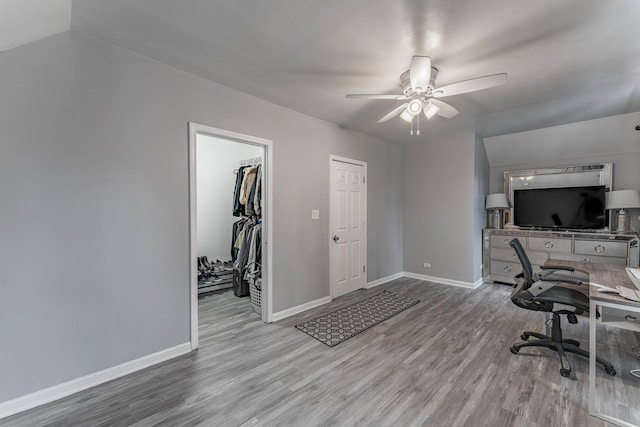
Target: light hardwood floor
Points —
{"points": [[443, 362]]}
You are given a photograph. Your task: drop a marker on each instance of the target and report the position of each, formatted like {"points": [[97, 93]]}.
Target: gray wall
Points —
{"points": [[439, 207], [610, 139], [481, 189], [94, 204]]}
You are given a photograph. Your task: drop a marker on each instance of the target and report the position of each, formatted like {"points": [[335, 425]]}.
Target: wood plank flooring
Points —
{"points": [[443, 362]]}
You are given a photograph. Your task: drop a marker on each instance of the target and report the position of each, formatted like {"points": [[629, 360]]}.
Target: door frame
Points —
{"points": [[196, 129], [334, 158]]}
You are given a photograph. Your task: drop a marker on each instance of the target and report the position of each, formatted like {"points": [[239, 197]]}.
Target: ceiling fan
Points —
{"points": [[418, 87]]}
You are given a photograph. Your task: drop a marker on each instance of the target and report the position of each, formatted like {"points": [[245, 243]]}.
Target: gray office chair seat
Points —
{"points": [[539, 292], [566, 297]]}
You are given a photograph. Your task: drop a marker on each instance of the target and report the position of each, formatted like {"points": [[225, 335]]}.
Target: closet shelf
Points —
{"points": [[213, 287]]}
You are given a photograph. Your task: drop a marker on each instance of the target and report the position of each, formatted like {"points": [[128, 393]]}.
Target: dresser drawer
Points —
{"points": [[588, 258], [626, 319], [601, 248], [503, 241], [551, 244], [505, 268], [502, 254]]}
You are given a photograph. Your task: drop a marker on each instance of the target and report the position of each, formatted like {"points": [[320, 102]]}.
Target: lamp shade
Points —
{"points": [[622, 199], [496, 201]]}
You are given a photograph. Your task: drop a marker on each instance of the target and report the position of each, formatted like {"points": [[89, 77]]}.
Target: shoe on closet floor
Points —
{"points": [[201, 267], [218, 267]]}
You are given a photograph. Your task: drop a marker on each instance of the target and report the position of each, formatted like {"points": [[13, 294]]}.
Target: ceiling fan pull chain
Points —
{"points": [[411, 125], [418, 130]]}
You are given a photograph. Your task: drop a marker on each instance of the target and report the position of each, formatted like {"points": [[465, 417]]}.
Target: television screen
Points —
{"points": [[560, 208]]}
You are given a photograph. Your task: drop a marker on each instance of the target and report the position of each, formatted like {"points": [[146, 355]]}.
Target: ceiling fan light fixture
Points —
{"points": [[414, 107], [430, 110], [419, 91], [406, 116]]}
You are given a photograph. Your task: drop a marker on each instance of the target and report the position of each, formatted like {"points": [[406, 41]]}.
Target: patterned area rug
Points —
{"points": [[338, 326]]}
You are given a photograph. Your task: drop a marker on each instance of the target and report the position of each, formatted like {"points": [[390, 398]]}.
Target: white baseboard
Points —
{"points": [[313, 304], [299, 308], [477, 283], [458, 283], [68, 388], [383, 280]]}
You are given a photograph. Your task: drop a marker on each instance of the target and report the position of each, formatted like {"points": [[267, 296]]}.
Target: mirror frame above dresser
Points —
{"points": [[561, 176], [500, 262]]}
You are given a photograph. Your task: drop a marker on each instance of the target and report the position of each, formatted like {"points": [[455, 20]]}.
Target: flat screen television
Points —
{"points": [[560, 208]]}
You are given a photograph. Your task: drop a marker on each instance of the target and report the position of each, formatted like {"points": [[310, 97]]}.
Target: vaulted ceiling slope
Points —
{"points": [[24, 21], [567, 60]]}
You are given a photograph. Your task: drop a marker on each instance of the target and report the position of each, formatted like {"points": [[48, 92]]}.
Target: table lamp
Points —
{"points": [[623, 199], [496, 203]]}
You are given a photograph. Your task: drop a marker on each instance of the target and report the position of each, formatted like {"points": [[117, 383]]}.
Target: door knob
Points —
{"points": [[336, 238]]}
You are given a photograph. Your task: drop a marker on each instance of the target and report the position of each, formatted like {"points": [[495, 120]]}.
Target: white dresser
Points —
{"points": [[500, 263]]}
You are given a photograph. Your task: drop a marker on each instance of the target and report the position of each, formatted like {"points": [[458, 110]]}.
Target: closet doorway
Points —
{"points": [[230, 227]]}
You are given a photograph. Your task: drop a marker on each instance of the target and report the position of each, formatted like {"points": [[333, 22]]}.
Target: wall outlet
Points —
{"points": [[315, 214], [427, 265]]}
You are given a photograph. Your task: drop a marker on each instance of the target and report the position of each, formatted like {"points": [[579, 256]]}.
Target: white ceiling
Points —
{"points": [[24, 21], [567, 60]]}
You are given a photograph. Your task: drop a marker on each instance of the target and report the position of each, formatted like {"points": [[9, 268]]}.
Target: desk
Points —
{"points": [[613, 309]]}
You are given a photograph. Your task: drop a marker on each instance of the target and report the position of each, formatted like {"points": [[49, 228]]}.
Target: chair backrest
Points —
{"points": [[527, 270]]}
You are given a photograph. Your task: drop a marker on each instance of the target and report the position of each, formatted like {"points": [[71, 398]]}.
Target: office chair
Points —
{"points": [[538, 292]]}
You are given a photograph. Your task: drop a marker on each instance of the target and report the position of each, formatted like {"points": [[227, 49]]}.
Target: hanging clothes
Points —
{"points": [[246, 242], [243, 243], [237, 211], [258, 193], [250, 206], [247, 183], [253, 268], [237, 227]]}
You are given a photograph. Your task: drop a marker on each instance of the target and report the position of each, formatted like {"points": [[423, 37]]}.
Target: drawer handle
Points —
{"points": [[548, 245], [505, 241], [599, 248], [507, 269], [630, 317], [586, 260]]}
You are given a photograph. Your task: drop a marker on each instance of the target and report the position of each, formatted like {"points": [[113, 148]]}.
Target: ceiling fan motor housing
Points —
{"points": [[405, 83]]}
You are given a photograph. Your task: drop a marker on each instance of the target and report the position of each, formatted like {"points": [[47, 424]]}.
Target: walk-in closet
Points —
{"points": [[229, 183]]}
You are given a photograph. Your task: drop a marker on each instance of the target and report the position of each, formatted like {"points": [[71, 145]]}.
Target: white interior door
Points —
{"points": [[348, 225]]}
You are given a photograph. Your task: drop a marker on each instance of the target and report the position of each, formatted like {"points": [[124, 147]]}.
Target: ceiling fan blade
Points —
{"points": [[470, 85], [393, 113], [420, 73], [373, 96], [445, 110]]}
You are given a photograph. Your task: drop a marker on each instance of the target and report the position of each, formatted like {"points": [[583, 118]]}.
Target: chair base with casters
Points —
{"points": [[559, 345], [542, 292]]}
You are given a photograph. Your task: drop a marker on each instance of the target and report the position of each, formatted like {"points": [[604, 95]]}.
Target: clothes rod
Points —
{"points": [[251, 162]]}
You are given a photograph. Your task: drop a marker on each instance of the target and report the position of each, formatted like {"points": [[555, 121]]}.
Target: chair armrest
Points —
{"points": [[556, 267], [549, 275], [547, 270], [566, 280]]}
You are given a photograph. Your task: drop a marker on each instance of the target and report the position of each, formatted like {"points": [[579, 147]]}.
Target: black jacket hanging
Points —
{"points": [[237, 208]]}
